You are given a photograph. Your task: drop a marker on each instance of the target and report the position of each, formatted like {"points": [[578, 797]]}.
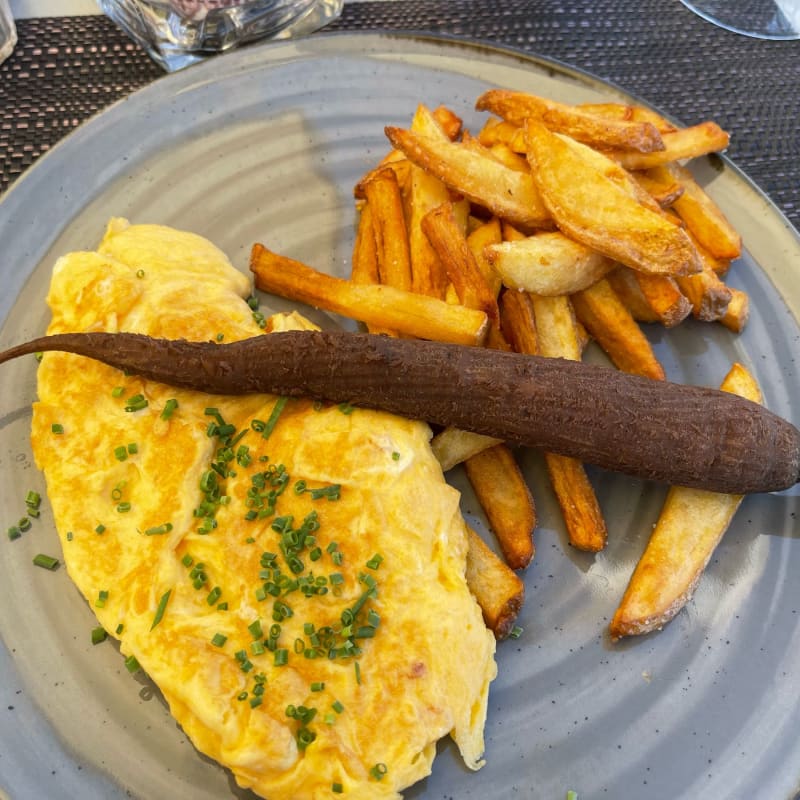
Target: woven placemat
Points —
{"points": [[66, 69]]}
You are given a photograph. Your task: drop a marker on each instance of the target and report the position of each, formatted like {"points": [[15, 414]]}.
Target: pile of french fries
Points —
{"points": [[553, 226]]}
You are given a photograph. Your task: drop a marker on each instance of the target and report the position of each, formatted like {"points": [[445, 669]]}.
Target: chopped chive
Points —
{"points": [[255, 629], [99, 635], [140, 273], [242, 696], [252, 301], [14, 532], [123, 508], [281, 657], [100, 528], [219, 337], [57, 428], [515, 632], [102, 598], [219, 639], [121, 453], [133, 448], [337, 788], [162, 605], [378, 771], [222, 607], [317, 686], [45, 561], [169, 407], [255, 701], [395, 456], [33, 499], [214, 595], [39, 355], [119, 629], [337, 707], [160, 530], [277, 409], [357, 668], [132, 665], [375, 561], [346, 408], [257, 648], [69, 536], [24, 524], [136, 402], [187, 560], [117, 391]]}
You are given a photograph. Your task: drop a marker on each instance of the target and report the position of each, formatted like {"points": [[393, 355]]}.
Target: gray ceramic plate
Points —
{"points": [[265, 144]]}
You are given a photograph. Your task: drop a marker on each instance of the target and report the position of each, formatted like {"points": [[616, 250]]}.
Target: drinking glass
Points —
{"points": [[8, 31], [176, 33], [762, 19]]}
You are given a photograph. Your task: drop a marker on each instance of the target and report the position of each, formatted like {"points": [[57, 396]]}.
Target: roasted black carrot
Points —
{"points": [[677, 434]]}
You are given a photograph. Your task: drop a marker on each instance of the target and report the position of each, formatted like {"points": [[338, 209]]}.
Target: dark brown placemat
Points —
{"points": [[66, 69]]}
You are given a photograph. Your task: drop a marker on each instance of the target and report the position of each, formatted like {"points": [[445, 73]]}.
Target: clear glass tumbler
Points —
{"points": [[8, 31], [177, 33]]}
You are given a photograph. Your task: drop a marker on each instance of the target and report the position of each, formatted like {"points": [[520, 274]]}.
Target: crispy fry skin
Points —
{"points": [[498, 589], [592, 209], [382, 192], [684, 143], [690, 526], [479, 177], [580, 124], [738, 311], [382, 306], [664, 297], [472, 288], [608, 320], [505, 498]]}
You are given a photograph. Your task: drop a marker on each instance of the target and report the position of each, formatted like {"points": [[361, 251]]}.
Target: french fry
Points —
{"points": [[704, 218], [448, 120], [443, 232], [662, 188], [623, 282], [518, 322], [479, 177], [505, 498], [595, 211], [498, 589], [485, 234], [389, 228], [498, 131], [664, 297], [426, 192], [738, 311], [681, 144], [708, 295], [580, 124], [689, 527], [383, 306], [394, 160], [627, 112], [505, 155], [547, 263], [611, 324], [453, 446], [364, 267]]}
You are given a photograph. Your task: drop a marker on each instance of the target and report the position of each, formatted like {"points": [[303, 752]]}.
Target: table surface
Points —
{"points": [[67, 69]]}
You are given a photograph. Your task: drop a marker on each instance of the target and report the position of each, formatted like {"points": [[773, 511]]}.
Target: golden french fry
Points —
{"points": [[547, 263], [505, 498], [389, 228], [364, 267], [583, 519], [383, 306], [593, 210], [518, 322], [704, 218], [623, 282], [708, 295], [448, 120], [689, 527], [483, 235], [394, 160], [505, 155], [664, 297], [426, 192], [738, 311], [684, 143], [626, 112], [478, 176], [444, 233], [662, 188], [580, 124], [498, 589], [453, 446], [608, 320]]}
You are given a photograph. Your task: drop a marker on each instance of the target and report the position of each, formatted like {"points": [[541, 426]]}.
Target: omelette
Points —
{"points": [[291, 574]]}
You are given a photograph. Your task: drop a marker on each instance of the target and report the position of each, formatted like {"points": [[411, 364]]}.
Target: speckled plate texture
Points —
{"points": [[266, 144]]}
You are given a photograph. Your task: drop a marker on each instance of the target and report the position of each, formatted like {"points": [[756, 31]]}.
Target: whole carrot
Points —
{"points": [[677, 434]]}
